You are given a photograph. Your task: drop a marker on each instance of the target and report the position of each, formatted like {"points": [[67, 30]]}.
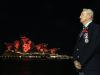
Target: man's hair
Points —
{"points": [[89, 11]]}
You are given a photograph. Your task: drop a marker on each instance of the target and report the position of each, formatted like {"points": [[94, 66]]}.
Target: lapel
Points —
{"points": [[90, 32]]}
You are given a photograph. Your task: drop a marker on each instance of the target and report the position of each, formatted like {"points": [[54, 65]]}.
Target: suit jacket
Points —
{"points": [[89, 53]]}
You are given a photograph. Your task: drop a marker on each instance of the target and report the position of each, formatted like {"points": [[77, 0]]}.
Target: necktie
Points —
{"points": [[84, 30]]}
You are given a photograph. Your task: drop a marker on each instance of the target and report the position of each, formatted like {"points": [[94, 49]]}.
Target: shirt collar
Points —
{"points": [[87, 24]]}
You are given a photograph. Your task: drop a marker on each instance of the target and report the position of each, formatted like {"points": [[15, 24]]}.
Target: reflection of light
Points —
{"points": [[20, 56], [53, 56], [30, 56]]}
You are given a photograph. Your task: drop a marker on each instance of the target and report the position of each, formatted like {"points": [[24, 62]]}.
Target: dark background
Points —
{"points": [[55, 22]]}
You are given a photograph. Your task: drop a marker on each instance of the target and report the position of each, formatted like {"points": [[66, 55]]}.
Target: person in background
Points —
{"points": [[87, 49]]}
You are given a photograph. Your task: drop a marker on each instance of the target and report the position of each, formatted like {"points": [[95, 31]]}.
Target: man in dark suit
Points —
{"points": [[87, 49]]}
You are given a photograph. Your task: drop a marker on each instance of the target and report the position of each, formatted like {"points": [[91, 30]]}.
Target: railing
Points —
{"points": [[35, 56]]}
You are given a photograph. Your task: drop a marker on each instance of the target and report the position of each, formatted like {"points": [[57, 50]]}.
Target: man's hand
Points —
{"points": [[77, 65]]}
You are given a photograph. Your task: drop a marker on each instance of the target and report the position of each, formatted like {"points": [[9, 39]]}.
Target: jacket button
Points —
{"points": [[77, 49], [78, 56]]}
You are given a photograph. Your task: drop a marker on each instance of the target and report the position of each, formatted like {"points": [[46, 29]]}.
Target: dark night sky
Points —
{"points": [[51, 21]]}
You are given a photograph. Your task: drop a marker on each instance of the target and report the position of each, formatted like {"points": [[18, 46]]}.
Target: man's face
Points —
{"points": [[84, 17]]}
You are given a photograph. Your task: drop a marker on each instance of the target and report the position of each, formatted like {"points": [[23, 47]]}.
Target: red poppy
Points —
{"points": [[85, 30]]}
